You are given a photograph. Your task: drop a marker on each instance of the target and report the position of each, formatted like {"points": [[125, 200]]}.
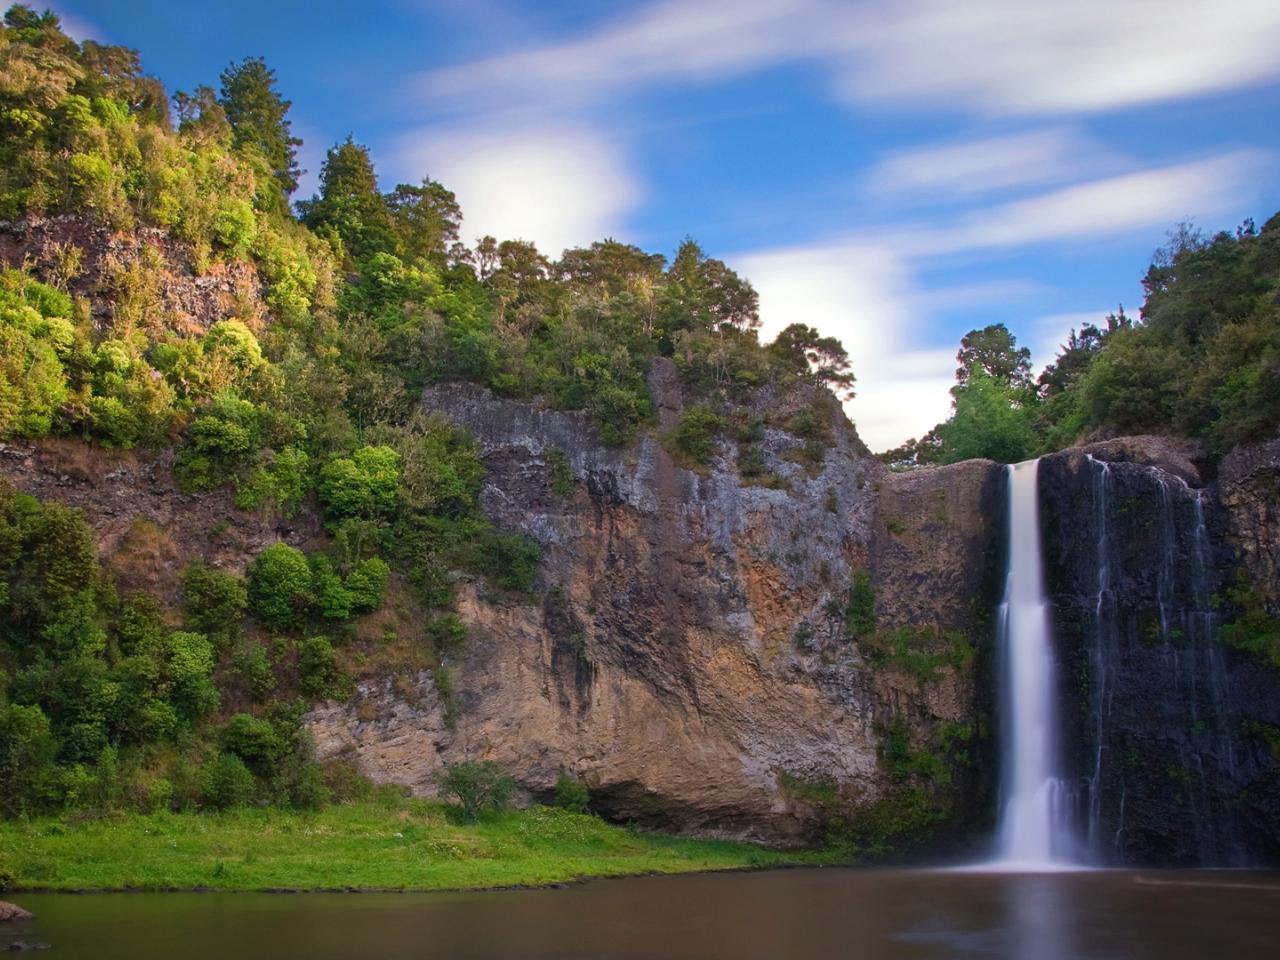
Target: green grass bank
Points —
{"points": [[416, 846]]}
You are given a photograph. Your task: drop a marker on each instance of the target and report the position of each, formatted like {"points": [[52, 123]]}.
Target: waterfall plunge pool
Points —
{"points": [[865, 913]]}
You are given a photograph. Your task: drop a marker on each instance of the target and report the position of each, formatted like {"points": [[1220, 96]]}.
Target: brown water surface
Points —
{"points": [[864, 914]]}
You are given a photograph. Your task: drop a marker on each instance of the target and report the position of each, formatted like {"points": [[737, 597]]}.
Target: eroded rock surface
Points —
{"points": [[1166, 724], [684, 651]]}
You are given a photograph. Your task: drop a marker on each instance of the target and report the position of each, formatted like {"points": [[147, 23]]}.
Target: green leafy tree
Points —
{"points": [[989, 421], [190, 668], [695, 434], [363, 485], [701, 293], [280, 585], [425, 221], [994, 351], [256, 741], [476, 787], [226, 783], [803, 351], [318, 672], [215, 602], [26, 758]]}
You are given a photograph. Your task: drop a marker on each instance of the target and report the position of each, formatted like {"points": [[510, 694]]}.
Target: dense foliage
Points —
{"points": [[110, 698], [1202, 360]]}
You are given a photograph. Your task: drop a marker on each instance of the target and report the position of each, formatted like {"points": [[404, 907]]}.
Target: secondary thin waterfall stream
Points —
{"points": [[1034, 828]]}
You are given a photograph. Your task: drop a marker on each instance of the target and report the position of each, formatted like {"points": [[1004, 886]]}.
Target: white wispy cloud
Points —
{"points": [[1005, 56], [1044, 56], [666, 42], [965, 169], [1098, 208], [866, 294], [557, 186]]}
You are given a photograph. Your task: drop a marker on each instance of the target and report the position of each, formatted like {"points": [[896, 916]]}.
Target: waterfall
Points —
{"points": [[1171, 576], [1034, 831]]}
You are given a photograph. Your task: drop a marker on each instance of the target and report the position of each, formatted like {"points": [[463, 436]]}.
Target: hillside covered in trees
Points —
{"points": [[110, 697], [305, 401]]}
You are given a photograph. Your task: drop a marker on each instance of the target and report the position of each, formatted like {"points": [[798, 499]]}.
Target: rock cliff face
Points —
{"points": [[685, 651], [1166, 725], [148, 531], [103, 266]]}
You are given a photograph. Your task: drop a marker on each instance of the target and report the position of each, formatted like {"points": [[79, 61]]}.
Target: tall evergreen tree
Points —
{"points": [[349, 203], [259, 119]]}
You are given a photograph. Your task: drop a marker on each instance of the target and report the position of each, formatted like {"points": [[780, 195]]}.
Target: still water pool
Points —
{"points": [[871, 914]]}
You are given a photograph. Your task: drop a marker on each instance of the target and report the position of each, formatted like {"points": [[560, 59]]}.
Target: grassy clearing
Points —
{"points": [[353, 846]]}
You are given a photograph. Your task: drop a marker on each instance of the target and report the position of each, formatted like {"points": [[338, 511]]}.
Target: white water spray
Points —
{"points": [[1034, 832]]}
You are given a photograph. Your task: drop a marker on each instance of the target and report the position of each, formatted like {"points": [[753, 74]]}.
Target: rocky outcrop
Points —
{"points": [[1249, 488], [11, 911], [145, 272], [685, 651], [1166, 725], [148, 530]]}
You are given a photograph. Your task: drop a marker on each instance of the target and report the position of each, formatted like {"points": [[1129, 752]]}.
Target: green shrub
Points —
{"points": [[572, 794], [255, 741], [560, 473], [280, 483], [226, 783], [318, 672], [26, 757], [235, 227], [694, 437], [860, 610], [476, 787], [251, 669], [448, 634], [366, 484], [330, 592], [366, 583], [280, 585], [214, 602], [309, 791], [190, 667], [508, 559], [1252, 630]]}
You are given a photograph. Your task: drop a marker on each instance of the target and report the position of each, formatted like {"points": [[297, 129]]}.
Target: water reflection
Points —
{"points": [[1041, 916], [864, 914]]}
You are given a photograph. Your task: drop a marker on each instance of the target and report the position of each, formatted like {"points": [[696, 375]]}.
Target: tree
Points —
{"points": [[201, 118], [349, 203], [804, 351], [704, 294], [1075, 356], [995, 351], [477, 786], [425, 221], [280, 585], [989, 422], [609, 268], [258, 118]]}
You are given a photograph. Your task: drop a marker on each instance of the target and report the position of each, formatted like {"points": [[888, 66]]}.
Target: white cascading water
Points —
{"points": [[1034, 832]]}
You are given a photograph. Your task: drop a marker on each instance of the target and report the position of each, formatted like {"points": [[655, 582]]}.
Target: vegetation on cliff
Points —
{"points": [[303, 400], [1201, 360]]}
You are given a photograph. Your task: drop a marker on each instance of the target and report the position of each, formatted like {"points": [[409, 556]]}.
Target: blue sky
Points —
{"points": [[893, 172]]}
